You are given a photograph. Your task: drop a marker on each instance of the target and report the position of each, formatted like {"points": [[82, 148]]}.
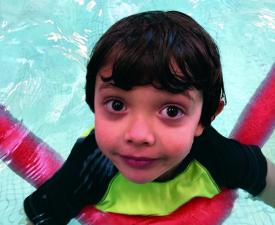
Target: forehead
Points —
{"points": [[107, 67], [102, 86], [106, 70], [129, 67]]}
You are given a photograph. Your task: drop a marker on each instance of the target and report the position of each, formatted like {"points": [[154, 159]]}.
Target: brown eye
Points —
{"points": [[172, 112], [115, 105]]}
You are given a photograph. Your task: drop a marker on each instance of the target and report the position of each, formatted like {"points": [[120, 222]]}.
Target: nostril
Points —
{"points": [[140, 139], [140, 131]]}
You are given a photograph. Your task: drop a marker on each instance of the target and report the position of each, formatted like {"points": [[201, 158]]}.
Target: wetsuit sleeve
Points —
{"points": [[232, 164], [83, 179]]}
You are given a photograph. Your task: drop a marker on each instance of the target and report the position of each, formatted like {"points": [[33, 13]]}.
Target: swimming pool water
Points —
{"points": [[44, 46]]}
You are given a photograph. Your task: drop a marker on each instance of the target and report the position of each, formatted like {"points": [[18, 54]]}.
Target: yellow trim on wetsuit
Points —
{"points": [[158, 198]]}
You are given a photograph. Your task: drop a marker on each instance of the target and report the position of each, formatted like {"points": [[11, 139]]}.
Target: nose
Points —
{"points": [[140, 132]]}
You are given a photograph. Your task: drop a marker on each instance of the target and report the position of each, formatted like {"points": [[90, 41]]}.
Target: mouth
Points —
{"points": [[138, 162]]}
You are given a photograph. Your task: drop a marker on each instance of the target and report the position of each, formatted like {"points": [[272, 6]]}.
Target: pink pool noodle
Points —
{"points": [[257, 121], [24, 153]]}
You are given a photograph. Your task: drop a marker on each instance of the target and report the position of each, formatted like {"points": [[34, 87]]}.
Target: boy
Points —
{"points": [[154, 83]]}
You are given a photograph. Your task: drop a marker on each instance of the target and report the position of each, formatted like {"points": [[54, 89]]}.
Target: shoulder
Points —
{"points": [[211, 145], [90, 157], [231, 163]]}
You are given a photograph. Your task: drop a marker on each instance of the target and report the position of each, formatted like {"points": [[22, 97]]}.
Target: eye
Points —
{"points": [[172, 112], [115, 105]]}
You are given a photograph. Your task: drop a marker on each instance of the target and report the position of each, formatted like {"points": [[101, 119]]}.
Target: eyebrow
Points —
{"points": [[187, 94], [107, 83], [106, 86]]}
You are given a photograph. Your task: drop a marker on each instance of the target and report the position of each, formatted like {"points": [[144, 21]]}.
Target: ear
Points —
{"points": [[199, 130], [200, 127], [219, 109]]}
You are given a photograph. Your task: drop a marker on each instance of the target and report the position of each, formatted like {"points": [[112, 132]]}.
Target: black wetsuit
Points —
{"points": [[86, 175]]}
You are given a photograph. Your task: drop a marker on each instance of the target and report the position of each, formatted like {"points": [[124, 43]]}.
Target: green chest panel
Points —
{"points": [[158, 198]]}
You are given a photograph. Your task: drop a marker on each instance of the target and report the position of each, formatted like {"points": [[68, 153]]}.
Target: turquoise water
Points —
{"points": [[45, 45]]}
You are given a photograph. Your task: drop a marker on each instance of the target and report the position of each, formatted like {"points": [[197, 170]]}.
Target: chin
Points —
{"points": [[136, 179]]}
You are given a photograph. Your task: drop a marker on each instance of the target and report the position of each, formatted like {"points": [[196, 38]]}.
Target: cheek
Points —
{"points": [[106, 133], [104, 142], [178, 146], [102, 133]]}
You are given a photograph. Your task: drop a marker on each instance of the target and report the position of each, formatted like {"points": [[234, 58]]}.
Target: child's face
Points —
{"points": [[146, 132]]}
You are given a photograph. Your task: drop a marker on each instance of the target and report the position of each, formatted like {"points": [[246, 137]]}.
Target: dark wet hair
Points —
{"points": [[143, 49]]}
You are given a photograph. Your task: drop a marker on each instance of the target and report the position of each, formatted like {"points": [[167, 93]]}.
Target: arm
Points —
{"points": [[235, 165], [268, 194], [82, 180]]}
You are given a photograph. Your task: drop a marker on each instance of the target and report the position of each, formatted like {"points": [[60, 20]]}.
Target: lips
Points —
{"points": [[138, 162]]}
